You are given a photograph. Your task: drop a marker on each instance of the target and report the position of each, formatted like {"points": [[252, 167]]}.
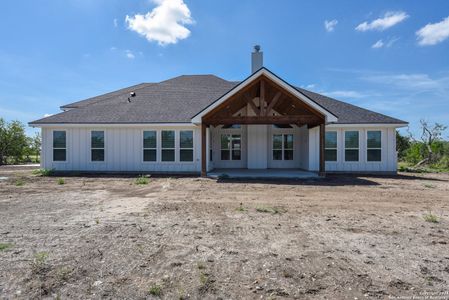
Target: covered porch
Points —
{"points": [[255, 130]]}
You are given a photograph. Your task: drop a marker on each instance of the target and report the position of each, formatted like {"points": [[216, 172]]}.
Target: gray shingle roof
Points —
{"points": [[177, 100]]}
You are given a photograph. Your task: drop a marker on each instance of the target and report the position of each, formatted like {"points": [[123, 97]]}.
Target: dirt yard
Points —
{"points": [[191, 238]]}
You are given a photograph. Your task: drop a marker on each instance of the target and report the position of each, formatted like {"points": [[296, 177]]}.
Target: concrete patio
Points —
{"points": [[262, 173]]}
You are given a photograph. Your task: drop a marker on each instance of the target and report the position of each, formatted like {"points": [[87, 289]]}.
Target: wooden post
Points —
{"points": [[203, 150], [322, 141]]}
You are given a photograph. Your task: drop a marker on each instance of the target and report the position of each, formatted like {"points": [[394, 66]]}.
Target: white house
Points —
{"points": [[198, 123]]}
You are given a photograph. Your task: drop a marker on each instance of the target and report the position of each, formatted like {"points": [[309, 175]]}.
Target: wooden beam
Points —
{"points": [[253, 106], [322, 141], [304, 119], [203, 150], [262, 97], [273, 103]]}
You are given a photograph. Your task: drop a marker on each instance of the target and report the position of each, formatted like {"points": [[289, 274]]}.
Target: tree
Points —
{"points": [[402, 145], [429, 136], [13, 141]]}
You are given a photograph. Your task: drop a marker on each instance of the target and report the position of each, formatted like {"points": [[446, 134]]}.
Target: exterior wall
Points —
{"points": [[304, 147], [123, 150], [388, 161]]}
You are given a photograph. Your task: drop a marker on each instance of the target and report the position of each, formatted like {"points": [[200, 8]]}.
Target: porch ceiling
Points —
{"points": [[271, 104]]}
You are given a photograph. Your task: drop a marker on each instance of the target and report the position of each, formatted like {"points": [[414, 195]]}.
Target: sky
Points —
{"points": [[388, 56]]}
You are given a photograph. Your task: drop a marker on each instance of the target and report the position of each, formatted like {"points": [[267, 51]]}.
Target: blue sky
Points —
{"points": [[370, 54]]}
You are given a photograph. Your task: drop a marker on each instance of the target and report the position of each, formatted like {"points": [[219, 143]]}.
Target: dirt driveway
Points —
{"points": [[192, 238]]}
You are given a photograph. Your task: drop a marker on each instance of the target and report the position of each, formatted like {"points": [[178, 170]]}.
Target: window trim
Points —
{"points": [[66, 147], [336, 148], [283, 146], [230, 148], [366, 156], [175, 160], [143, 147], [179, 147], [344, 147], [104, 147]]}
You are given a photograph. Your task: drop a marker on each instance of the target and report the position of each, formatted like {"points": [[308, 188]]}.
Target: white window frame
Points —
{"points": [[53, 148], [104, 147], [143, 147], [174, 147], [230, 148], [282, 147], [179, 149], [344, 147], [367, 148], [336, 148]]}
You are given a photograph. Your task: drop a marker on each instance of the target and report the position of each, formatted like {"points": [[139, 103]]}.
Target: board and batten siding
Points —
{"points": [[123, 150], [388, 161]]}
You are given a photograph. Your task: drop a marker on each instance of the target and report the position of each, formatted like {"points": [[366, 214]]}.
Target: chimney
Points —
{"points": [[256, 59]]}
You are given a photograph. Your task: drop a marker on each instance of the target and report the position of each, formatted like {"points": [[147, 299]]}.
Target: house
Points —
{"points": [[198, 123]]}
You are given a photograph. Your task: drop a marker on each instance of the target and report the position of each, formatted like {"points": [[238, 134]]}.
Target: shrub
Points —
{"points": [[155, 290], [20, 182], [43, 172], [142, 180], [4, 246], [39, 262], [431, 218], [61, 181]]}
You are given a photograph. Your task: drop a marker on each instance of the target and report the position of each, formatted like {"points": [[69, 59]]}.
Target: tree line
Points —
{"points": [[15, 146]]}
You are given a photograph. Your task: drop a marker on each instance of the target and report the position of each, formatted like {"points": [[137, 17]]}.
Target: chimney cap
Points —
{"points": [[257, 48]]}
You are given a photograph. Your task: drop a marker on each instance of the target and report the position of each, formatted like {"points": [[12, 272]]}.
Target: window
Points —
{"points": [[351, 146], [186, 145], [168, 145], [97, 145], [231, 147], [374, 146], [330, 152], [149, 146], [283, 147], [59, 146]]}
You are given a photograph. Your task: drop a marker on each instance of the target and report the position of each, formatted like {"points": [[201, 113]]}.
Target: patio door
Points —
{"points": [[257, 147]]}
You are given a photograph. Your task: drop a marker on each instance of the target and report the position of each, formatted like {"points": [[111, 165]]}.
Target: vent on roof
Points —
{"points": [[132, 94]]}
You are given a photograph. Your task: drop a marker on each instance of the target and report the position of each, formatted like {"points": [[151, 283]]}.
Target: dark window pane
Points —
{"points": [[59, 139], [234, 126], [210, 155], [277, 141], [149, 155], [236, 154], [374, 139], [97, 154], [352, 155], [330, 155], [168, 139], [97, 139], [351, 139], [236, 142], [149, 139], [374, 155], [59, 154], [288, 141], [168, 155], [186, 139], [282, 126], [277, 154], [331, 139], [225, 155], [288, 154], [186, 155], [225, 141]]}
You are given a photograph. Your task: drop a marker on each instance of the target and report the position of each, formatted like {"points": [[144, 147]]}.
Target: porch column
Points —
{"points": [[203, 150], [322, 171]]}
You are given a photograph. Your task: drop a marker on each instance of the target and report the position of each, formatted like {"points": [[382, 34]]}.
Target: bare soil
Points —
{"points": [[341, 237]]}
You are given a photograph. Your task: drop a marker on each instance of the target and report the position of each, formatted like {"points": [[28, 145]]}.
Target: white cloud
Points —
{"points": [[417, 82], [378, 44], [381, 43], [164, 24], [129, 54], [388, 20], [330, 25], [432, 34], [115, 23], [345, 94], [48, 115]]}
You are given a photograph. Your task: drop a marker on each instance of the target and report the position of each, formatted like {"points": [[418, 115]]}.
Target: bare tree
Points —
{"points": [[429, 135]]}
